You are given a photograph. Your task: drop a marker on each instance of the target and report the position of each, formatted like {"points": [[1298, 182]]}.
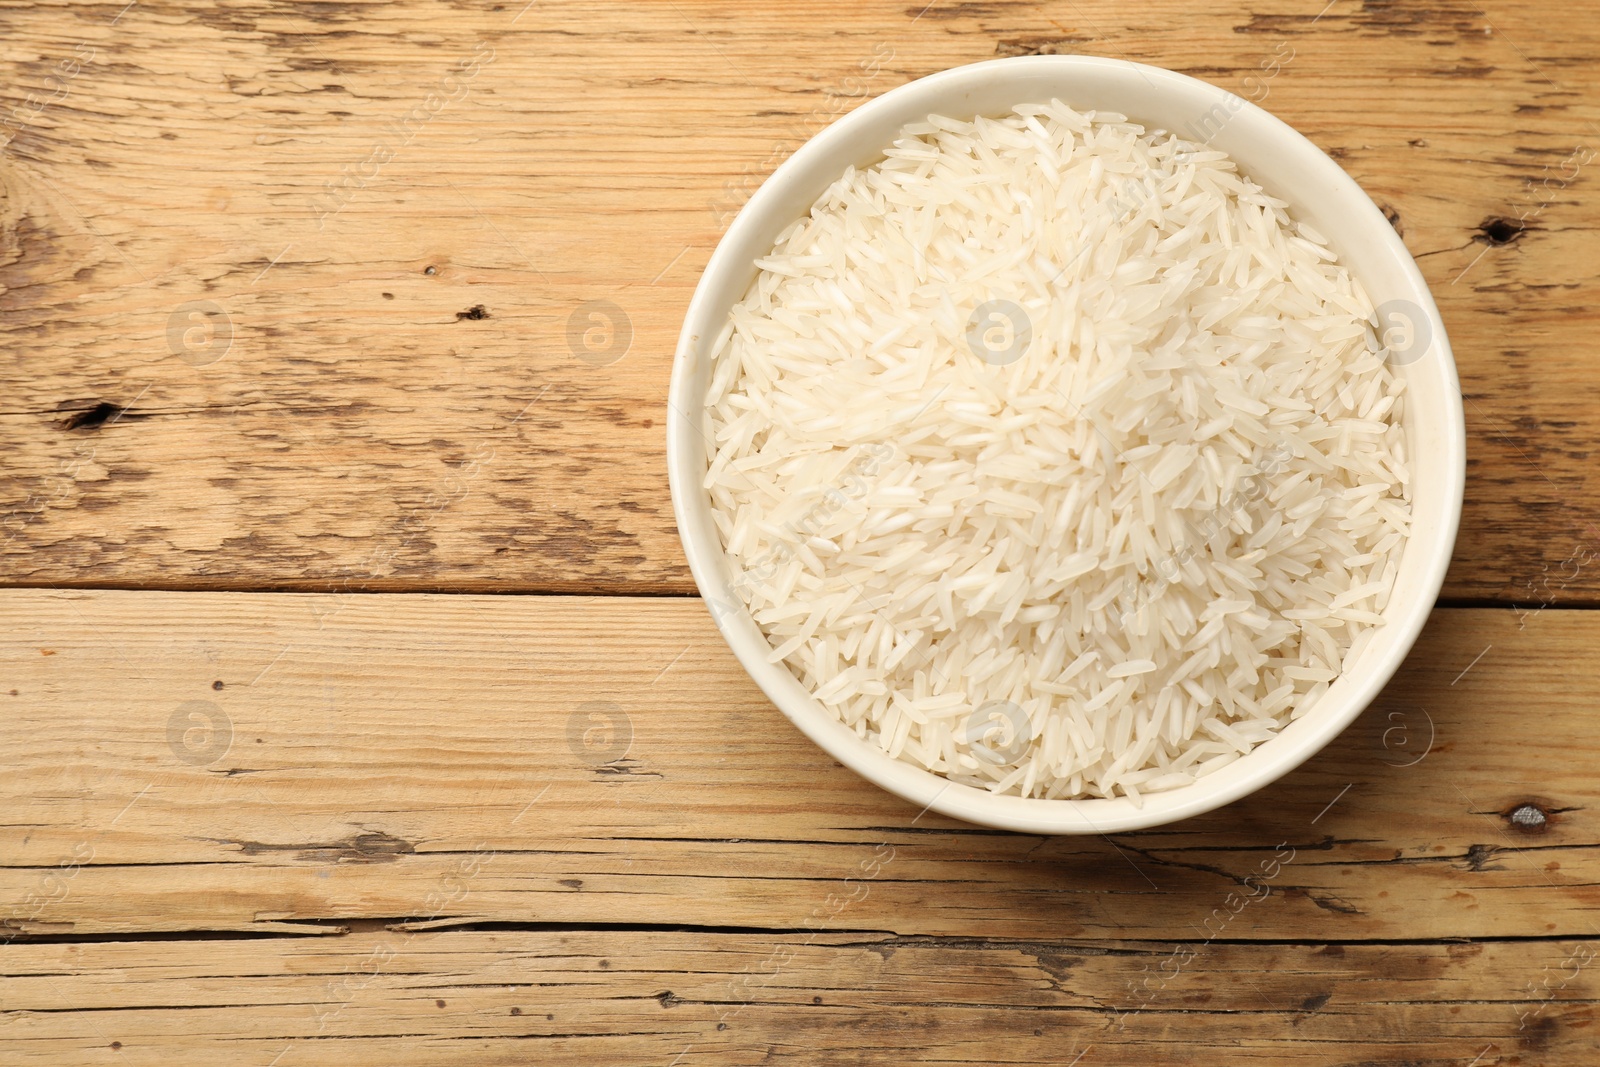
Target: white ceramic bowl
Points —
{"points": [[1286, 165]]}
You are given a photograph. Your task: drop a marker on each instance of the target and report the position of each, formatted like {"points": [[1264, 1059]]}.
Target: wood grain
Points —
{"points": [[344, 185], [358, 304], [513, 997], [440, 760]]}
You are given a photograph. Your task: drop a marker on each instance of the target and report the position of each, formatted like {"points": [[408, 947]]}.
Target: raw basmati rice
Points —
{"points": [[1053, 456]]}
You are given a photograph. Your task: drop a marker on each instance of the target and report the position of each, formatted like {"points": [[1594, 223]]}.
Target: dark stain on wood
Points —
{"points": [[1478, 858], [1538, 1035], [368, 847], [1332, 903]]}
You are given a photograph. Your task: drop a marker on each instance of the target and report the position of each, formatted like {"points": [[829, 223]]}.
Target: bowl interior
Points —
{"points": [[1286, 165]]}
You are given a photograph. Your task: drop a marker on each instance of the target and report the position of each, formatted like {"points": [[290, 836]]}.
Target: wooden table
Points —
{"points": [[356, 704]]}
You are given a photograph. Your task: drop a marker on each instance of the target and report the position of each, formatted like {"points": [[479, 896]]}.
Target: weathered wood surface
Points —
{"points": [[458, 759], [341, 416], [382, 296], [516, 997]]}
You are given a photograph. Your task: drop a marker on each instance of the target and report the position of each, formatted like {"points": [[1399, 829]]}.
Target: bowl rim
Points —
{"points": [[924, 788]]}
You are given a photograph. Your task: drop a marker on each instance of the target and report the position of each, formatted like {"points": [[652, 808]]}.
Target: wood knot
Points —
{"points": [[93, 418], [1479, 858], [1496, 232], [1528, 818]]}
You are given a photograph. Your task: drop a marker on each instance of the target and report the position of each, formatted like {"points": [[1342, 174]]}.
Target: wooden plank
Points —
{"points": [[342, 417], [562, 997], [454, 759]]}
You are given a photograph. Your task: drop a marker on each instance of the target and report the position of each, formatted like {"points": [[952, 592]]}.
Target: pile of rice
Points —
{"points": [[1052, 455]]}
